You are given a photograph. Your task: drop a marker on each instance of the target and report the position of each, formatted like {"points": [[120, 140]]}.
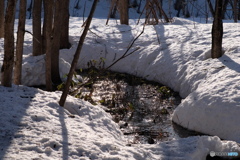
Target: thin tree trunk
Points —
{"points": [[113, 14], [37, 36], [2, 6], [147, 9], [210, 7], [48, 19], [20, 40], [139, 7], [113, 5], [225, 8], [123, 9], [7, 67], [159, 5], [30, 10], [238, 9], [217, 30], [235, 11], [64, 40], [44, 41], [77, 54], [56, 43]]}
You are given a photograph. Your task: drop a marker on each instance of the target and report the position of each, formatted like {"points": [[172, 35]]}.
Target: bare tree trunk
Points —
{"points": [[2, 7], [7, 67], [139, 7], [37, 36], [77, 54], [148, 12], [113, 5], [20, 40], [56, 43], [238, 9], [48, 19], [159, 5], [235, 11], [225, 3], [29, 9], [123, 10], [210, 7], [217, 30], [45, 6], [64, 40], [114, 11], [152, 8]]}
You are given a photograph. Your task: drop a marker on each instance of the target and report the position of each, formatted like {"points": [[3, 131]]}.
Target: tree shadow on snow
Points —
{"points": [[230, 63], [14, 104], [65, 148]]}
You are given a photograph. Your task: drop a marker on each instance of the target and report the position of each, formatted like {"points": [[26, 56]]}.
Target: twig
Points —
{"points": [[94, 33], [125, 54], [141, 14], [113, 4], [32, 35]]}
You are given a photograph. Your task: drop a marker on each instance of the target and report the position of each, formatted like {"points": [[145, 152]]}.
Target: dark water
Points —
{"points": [[141, 108]]}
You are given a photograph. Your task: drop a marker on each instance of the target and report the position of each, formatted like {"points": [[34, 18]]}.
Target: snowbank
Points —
{"points": [[178, 56], [175, 55], [34, 126]]}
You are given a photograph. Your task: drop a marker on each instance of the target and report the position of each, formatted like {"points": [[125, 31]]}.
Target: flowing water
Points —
{"points": [[141, 108]]}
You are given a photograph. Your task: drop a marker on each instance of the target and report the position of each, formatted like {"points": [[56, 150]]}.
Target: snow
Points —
{"points": [[34, 126]]}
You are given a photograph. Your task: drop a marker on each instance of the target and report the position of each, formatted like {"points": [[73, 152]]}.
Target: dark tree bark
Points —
{"points": [[225, 4], [112, 11], [7, 67], [210, 7], [123, 10], [48, 19], [77, 54], [161, 11], [37, 35], [64, 40], [178, 5], [139, 7], [235, 11], [56, 42], [154, 11], [2, 6], [217, 30], [238, 9], [30, 10], [20, 40]]}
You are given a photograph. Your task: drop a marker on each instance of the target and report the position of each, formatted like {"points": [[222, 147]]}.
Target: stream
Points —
{"points": [[142, 108]]}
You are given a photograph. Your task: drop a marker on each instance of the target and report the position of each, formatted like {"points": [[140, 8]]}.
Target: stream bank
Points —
{"points": [[142, 108]]}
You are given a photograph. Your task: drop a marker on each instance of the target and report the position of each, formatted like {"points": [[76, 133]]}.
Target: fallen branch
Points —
{"points": [[32, 35], [126, 54]]}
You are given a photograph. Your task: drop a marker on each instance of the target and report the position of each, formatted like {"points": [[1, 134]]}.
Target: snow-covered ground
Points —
{"points": [[34, 126]]}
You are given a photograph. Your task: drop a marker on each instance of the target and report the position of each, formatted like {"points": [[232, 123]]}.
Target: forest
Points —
{"points": [[119, 79]]}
